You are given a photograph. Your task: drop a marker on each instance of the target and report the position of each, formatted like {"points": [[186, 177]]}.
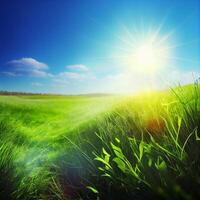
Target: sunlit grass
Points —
{"points": [[138, 147], [31, 128]]}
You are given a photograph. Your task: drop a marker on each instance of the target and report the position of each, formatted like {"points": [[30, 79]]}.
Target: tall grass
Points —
{"points": [[146, 147], [31, 139]]}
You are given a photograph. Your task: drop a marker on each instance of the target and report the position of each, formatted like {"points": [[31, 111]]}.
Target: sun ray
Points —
{"points": [[183, 44], [143, 48], [158, 30], [182, 59]]}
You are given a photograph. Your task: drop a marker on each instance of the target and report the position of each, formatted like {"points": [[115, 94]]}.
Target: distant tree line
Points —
{"points": [[12, 93], [2, 92]]}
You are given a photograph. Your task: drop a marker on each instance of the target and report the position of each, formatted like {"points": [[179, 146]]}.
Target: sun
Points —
{"points": [[149, 57], [146, 57], [147, 54]]}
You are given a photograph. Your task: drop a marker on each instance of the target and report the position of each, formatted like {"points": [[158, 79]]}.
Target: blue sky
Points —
{"points": [[76, 46]]}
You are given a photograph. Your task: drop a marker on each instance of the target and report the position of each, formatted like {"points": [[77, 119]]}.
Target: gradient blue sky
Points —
{"points": [[67, 46]]}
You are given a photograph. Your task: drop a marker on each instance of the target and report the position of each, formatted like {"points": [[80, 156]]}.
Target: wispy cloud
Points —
{"points": [[75, 78], [27, 67], [125, 82], [81, 78], [11, 74], [40, 73], [78, 68], [181, 76], [36, 84], [72, 75], [28, 63]]}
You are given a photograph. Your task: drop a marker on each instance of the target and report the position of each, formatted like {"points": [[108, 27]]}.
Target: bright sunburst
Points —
{"points": [[146, 55]]}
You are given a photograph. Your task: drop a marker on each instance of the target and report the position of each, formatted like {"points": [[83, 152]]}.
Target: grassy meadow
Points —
{"points": [[101, 147]]}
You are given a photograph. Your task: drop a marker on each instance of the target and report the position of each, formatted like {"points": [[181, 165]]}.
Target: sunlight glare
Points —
{"points": [[147, 55]]}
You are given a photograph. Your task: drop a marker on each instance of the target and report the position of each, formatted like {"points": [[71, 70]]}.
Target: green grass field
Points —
{"points": [[101, 147]]}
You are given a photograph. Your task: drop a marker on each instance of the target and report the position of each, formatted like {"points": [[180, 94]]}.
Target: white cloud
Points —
{"points": [[80, 78], [28, 63], [37, 84], [11, 74], [75, 78], [125, 82], [180, 77], [27, 67], [60, 81], [39, 73], [72, 75], [78, 67]]}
